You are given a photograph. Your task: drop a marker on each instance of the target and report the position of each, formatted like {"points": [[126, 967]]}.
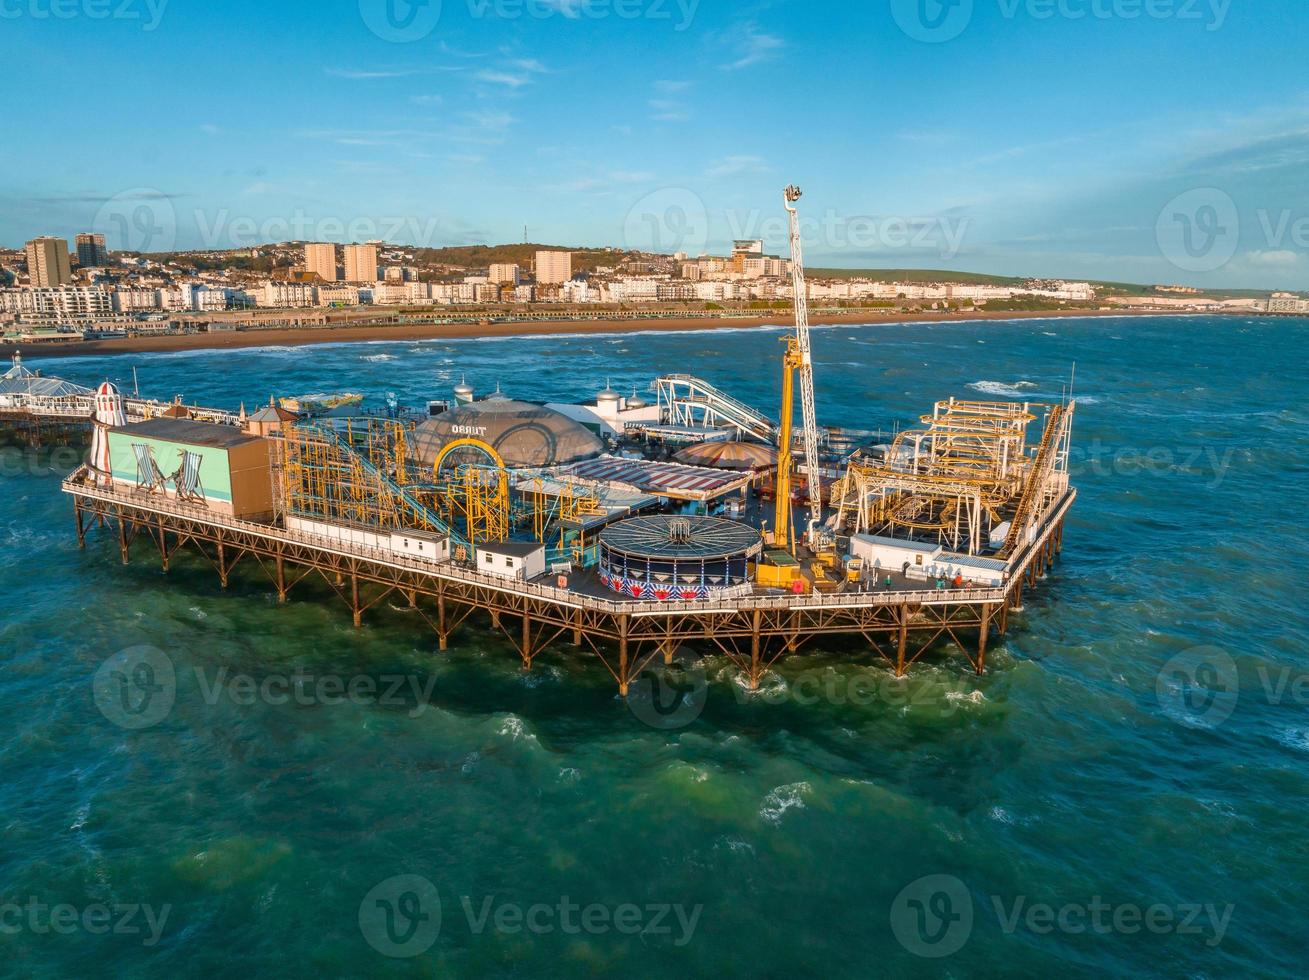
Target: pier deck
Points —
{"points": [[753, 628]]}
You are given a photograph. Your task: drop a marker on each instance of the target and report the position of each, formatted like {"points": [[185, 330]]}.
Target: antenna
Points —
{"points": [[136, 388]]}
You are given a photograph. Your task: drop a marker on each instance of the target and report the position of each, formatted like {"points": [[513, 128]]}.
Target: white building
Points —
{"points": [[285, 295], [554, 267]]}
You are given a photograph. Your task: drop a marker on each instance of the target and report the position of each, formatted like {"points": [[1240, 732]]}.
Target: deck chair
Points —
{"points": [[187, 477], [148, 475]]}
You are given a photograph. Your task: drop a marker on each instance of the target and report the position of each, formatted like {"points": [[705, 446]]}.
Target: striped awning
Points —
{"points": [[673, 480]]}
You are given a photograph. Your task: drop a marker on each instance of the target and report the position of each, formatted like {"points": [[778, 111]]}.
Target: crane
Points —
{"points": [[799, 358]]}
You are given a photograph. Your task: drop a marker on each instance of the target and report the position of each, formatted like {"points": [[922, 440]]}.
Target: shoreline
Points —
{"points": [[346, 334]]}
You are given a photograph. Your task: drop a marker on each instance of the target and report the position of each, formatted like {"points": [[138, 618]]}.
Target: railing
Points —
{"points": [[75, 485], [82, 407]]}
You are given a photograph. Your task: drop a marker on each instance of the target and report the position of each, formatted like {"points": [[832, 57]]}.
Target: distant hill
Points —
{"points": [[916, 275], [523, 255]]}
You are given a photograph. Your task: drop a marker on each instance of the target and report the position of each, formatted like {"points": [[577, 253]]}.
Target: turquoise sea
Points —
{"points": [[1122, 795]]}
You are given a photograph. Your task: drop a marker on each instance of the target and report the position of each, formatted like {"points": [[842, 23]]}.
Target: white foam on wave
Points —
{"points": [[514, 729], [781, 799], [378, 357], [1015, 390], [1294, 738]]}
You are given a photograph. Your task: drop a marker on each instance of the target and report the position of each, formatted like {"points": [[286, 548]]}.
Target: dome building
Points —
{"points": [[527, 436]]}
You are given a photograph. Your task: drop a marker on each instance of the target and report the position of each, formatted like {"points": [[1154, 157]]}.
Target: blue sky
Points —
{"points": [[1141, 140]]}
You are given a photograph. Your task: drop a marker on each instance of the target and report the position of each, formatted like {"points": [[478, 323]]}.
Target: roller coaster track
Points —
{"points": [[1034, 493], [385, 484], [694, 401]]}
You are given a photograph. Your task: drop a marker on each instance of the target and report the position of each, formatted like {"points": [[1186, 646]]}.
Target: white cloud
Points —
{"points": [[1273, 257], [503, 78], [754, 46], [737, 166]]}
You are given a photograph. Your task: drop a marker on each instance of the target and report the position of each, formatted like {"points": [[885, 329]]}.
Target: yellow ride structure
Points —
{"points": [[961, 479], [472, 497]]}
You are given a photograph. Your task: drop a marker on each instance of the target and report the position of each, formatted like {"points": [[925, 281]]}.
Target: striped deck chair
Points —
{"points": [[187, 477], [148, 475]]}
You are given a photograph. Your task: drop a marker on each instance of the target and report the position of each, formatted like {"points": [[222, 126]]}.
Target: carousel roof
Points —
{"points": [[729, 455], [19, 380]]}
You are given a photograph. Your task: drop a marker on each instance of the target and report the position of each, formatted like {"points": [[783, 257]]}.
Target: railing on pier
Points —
{"points": [[76, 485]]}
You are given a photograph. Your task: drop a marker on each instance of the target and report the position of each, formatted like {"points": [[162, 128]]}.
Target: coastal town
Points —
{"points": [[53, 294]]}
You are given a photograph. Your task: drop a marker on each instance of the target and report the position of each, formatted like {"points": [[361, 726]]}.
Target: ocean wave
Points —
{"points": [[378, 357], [783, 798], [1015, 390]]}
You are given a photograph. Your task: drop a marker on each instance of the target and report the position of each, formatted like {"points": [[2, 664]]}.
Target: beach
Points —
{"points": [[357, 333]]}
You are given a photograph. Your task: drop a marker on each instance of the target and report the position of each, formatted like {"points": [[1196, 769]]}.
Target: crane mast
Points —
{"points": [[805, 363]]}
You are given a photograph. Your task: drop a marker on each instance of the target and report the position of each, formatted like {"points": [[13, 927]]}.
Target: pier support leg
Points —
{"points": [[222, 564], [577, 628], [442, 634], [1059, 539], [669, 649], [527, 642], [124, 546], [354, 601], [982, 635], [81, 527], [495, 619], [163, 545], [624, 682], [281, 579], [754, 650], [902, 645]]}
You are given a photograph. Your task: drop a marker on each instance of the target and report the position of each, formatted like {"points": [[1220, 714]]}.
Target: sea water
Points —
{"points": [[1123, 792]]}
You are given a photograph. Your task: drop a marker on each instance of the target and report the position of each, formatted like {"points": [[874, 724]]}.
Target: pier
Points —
{"points": [[753, 628]]}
